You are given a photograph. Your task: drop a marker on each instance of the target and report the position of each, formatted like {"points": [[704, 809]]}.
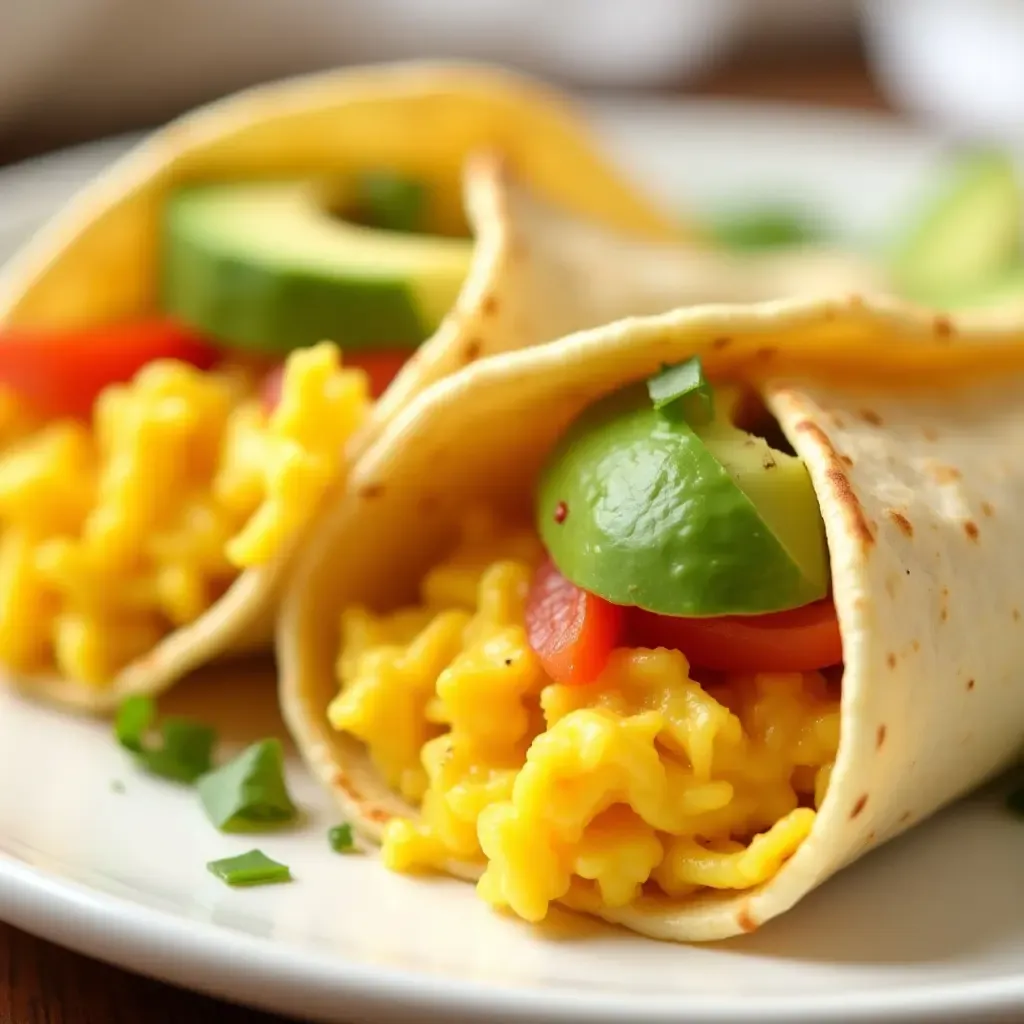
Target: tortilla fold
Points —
{"points": [[96, 262], [910, 426]]}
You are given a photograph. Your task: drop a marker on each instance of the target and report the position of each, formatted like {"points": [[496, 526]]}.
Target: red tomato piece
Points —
{"points": [[381, 367], [572, 631], [61, 372], [270, 392], [800, 640]]}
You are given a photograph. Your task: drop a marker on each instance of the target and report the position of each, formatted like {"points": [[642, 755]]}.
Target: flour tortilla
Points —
{"points": [[562, 243], [96, 261], [911, 427]]}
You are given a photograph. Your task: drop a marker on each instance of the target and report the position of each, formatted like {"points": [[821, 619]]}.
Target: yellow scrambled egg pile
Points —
{"points": [[643, 782], [114, 532]]}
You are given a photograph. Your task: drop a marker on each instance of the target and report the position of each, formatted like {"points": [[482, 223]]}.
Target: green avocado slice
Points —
{"points": [[266, 266], [966, 234], [681, 520], [389, 201]]}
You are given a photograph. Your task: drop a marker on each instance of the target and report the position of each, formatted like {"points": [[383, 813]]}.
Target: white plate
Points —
{"points": [[930, 927]]}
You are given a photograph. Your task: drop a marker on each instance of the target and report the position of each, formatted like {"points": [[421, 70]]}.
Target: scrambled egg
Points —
{"points": [[643, 782], [114, 533]]}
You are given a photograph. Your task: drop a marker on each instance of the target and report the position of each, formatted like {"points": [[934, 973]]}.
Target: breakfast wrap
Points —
{"points": [[190, 345], [670, 620]]}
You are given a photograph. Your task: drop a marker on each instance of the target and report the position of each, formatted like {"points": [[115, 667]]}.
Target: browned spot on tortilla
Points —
{"points": [[930, 434], [916, 646], [943, 614], [472, 350], [943, 474], [871, 838], [905, 817], [971, 529], [905, 525], [371, 491], [846, 460], [1016, 615], [719, 343], [858, 806], [870, 416], [943, 327], [428, 502], [890, 660], [489, 306], [837, 479], [766, 353], [880, 737], [745, 920], [970, 684], [340, 781], [987, 509], [890, 586]]}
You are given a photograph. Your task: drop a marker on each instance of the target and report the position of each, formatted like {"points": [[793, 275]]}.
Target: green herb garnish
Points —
{"points": [[183, 751], [249, 793], [252, 868], [390, 202], [341, 838], [134, 717], [683, 388], [766, 227]]}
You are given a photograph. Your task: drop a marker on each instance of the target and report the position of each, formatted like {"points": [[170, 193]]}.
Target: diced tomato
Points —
{"points": [[380, 367], [60, 372], [572, 631], [271, 390], [800, 640]]}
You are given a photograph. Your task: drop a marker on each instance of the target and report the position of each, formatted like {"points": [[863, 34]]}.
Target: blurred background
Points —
{"points": [[77, 69]]}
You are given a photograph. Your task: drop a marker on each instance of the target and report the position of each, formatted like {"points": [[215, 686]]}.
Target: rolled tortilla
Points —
{"points": [[96, 261], [910, 427]]}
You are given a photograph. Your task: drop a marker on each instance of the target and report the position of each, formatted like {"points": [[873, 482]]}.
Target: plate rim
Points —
{"points": [[167, 946], [223, 962]]}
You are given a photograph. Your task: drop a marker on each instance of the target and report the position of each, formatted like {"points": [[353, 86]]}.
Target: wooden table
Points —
{"points": [[43, 984]]}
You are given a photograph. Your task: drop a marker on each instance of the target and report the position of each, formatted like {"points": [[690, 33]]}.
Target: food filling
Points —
{"points": [[118, 528], [583, 748], [144, 465]]}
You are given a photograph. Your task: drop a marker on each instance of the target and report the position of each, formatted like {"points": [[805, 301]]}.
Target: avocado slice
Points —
{"points": [[389, 201], [680, 519], [1004, 289], [266, 266], [966, 235]]}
